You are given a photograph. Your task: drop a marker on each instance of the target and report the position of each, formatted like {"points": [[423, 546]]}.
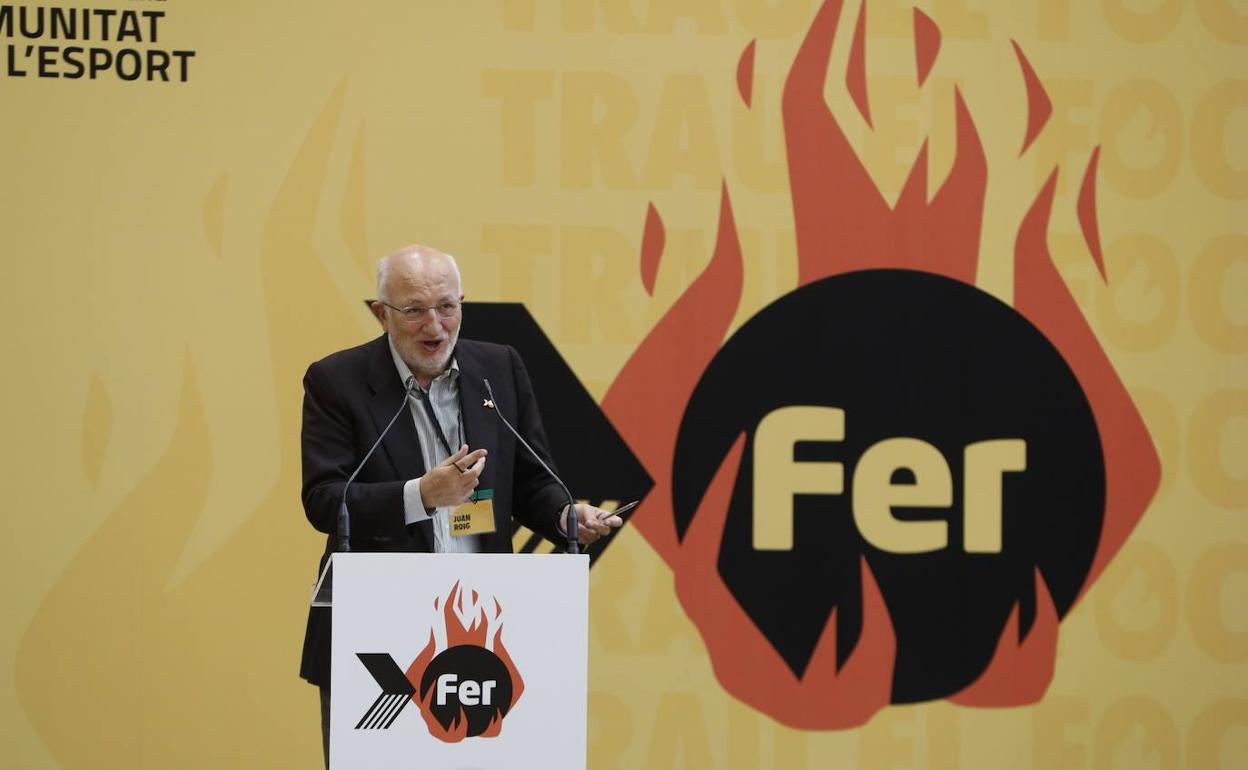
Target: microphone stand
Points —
{"points": [[574, 543], [344, 517]]}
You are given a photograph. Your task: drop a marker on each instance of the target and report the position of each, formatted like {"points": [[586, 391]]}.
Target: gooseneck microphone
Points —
{"points": [[344, 517], [573, 540]]}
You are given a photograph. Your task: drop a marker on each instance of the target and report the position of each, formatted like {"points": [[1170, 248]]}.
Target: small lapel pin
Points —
{"points": [[488, 404]]}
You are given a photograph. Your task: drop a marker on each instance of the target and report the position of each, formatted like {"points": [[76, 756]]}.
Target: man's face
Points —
{"points": [[424, 340]]}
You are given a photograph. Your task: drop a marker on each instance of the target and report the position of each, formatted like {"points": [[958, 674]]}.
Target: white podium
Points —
{"points": [[458, 661]]}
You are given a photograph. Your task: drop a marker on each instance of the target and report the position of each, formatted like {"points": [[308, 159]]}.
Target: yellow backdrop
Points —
{"points": [[177, 251]]}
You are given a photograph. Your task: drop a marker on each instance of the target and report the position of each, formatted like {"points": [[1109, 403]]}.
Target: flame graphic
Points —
{"points": [[464, 626], [843, 223], [154, 636]]}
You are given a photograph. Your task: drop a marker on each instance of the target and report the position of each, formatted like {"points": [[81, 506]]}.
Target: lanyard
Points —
{"points": [[433, 418]]}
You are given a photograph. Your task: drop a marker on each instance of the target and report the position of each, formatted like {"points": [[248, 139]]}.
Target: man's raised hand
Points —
{"points": [[452, 481]]}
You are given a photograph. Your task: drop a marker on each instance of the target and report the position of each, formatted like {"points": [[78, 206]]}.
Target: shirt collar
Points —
{"points": [[451, 373]]}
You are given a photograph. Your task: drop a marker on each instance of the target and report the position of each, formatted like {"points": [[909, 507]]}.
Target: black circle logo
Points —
{"points": [[467, 683], [937, 434]]}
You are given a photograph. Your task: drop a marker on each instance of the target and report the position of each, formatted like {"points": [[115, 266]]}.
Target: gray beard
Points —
{"points": [[423, 367]]}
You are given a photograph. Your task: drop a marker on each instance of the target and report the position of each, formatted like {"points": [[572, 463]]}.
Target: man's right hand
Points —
{"points": [[452, 481]]}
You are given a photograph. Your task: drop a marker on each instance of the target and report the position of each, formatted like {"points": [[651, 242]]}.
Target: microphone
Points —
{"points": [[573, 540], [344, 517]]}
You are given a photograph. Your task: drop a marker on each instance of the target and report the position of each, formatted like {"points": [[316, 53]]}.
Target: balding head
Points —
{"points": [[413, 262]]}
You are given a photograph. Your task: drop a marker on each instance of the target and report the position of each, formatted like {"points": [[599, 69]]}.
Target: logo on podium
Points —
{"points": [[464, 681]]}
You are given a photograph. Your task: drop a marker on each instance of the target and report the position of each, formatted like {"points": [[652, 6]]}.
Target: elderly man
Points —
{"points": [[433, 459]]}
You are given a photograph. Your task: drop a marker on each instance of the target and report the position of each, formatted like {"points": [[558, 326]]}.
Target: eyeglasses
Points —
{"points": [[444, 309]]}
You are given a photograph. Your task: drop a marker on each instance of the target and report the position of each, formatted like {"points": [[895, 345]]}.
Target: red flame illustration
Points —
{"points": [[844, 223], [476, 632]]}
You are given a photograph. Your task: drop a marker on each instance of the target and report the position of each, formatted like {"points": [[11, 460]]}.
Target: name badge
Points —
{"points": [[475, 517]]}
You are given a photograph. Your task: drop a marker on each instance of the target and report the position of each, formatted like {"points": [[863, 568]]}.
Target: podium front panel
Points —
{"points": [[464, 661]]}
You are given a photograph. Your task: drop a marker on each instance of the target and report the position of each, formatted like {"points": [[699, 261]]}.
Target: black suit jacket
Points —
{"points": [[348, 399]]}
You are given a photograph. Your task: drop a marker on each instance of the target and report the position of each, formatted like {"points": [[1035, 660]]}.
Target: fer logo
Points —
{"points": [[888, 485], [463, 687]]}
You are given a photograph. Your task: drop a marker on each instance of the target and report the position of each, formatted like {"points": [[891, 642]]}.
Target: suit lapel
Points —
{"points": [[401, 445], [480, 428], [483, 430]]}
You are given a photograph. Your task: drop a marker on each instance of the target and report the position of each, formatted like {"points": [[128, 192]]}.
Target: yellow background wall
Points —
{"points": [[176, 253]]}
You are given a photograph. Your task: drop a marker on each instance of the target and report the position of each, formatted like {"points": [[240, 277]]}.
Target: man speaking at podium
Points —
{"points": [[443, 450]]}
